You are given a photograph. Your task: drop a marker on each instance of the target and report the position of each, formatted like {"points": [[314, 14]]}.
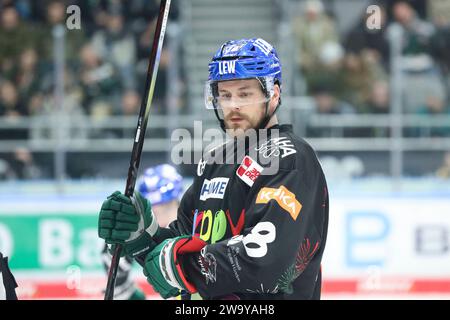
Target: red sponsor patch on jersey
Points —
{"points": [[249, 170]]}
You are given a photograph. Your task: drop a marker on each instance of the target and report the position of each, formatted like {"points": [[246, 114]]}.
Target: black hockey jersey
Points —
{"points": [[264, 215], [8, 284]]}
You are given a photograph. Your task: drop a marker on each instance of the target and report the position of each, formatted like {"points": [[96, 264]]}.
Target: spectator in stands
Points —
{"points": [[89, 10], [329, 71], [444, 170], [24, 166], [417, 33], [15, 36], [379, 103], [420, 72], [440, 42], [129, 106], [23, 7], [360, 38], [312, 30], [144, 44], [434, 106], [6, 172], [99, 81], [10, 105], [131, 103], [69, 113], [12, 110], [441, 47], [379, 99], [117, 45], [372, 62], [139, 13], [27, 76], [35, 104], [74, 38], [327, 103], [358, 75]]}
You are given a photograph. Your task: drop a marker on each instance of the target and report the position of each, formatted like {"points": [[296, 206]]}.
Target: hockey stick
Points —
{"points": [[140, 129]]}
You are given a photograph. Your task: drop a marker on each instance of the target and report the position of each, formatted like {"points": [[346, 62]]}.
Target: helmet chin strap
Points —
{"points": [[221, 121], [264, 121]]}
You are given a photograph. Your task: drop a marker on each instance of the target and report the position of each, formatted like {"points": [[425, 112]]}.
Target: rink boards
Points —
{"points": [[378, 246]]}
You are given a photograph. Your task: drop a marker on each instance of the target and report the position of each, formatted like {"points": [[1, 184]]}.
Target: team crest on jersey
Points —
{"points": [[214, 188], [249, 170], [208, 266], [276, 147]]}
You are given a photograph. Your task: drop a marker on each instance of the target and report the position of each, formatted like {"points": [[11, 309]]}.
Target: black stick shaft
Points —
{"points": [[140, 129]]}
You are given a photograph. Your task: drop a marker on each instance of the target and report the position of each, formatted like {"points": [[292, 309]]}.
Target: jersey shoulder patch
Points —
{"points": [[249, 170]]}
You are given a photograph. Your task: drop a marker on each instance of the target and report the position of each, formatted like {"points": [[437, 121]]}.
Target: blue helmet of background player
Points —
{"points": [[239, 60], [161, 184]]}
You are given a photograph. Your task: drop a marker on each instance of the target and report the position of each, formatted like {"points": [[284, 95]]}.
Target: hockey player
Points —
{"points": [[162, 186], [243, 230], [8, 283]]}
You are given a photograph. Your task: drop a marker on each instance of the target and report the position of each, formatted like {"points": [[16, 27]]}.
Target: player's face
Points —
{"points": [[243, 104]]}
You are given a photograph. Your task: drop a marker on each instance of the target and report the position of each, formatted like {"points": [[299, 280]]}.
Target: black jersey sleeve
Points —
{"points": [[288, 212]]}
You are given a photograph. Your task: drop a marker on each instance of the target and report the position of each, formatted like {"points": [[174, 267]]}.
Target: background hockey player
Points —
{"points": [[162, 186], [240, 233], [8, 283]]}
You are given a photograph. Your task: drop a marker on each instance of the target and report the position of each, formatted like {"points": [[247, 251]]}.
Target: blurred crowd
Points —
{"points": [[349, 72], [344, 72], [105, 60]]}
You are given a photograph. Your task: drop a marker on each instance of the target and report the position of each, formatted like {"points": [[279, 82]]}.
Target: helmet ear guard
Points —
{"points": [[211, 92], [267, 86]]}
